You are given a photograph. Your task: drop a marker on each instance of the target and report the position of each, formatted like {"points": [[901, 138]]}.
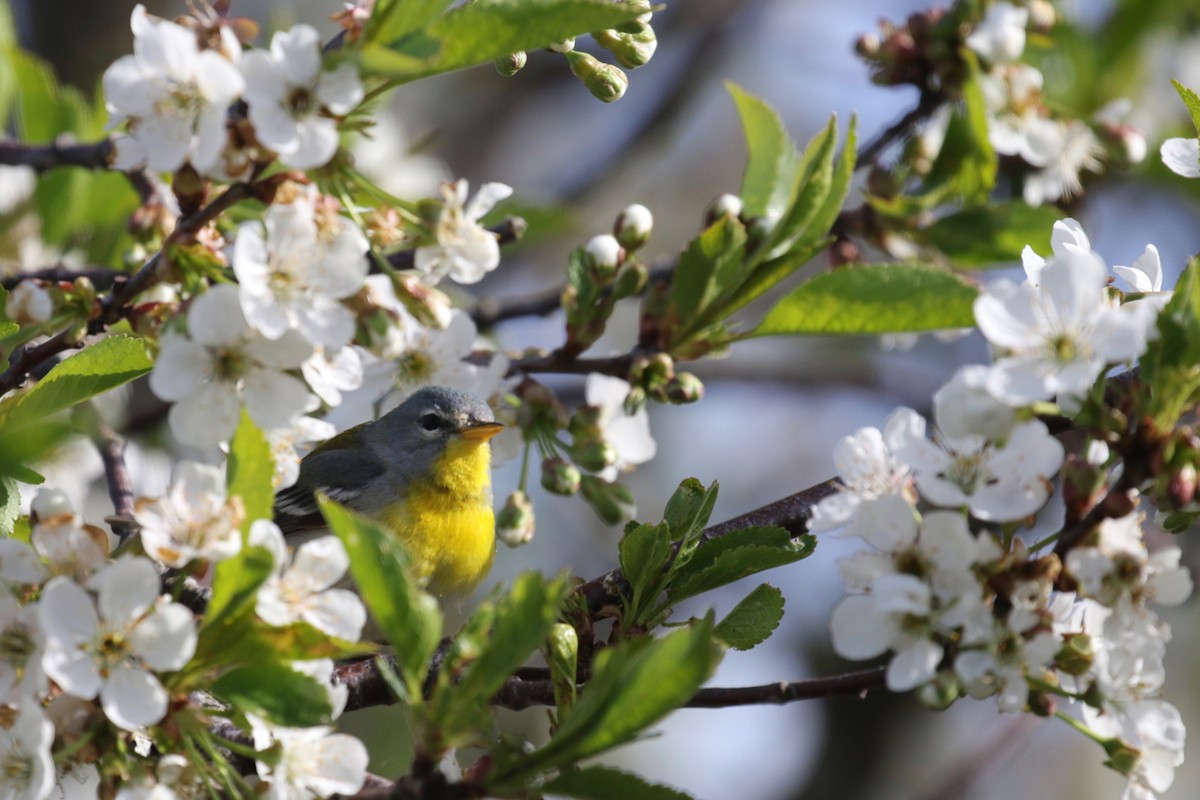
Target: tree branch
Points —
{"points": [[120, 487], [101, 277], [43, 157], [871, 150]]}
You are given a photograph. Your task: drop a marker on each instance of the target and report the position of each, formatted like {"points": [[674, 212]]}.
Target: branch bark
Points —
{"points": [[44, 157]]}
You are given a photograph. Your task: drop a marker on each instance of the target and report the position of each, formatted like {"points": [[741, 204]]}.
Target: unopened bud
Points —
{"points": [[684, 388], [602, 255], [1181, 486], [604, 81], [593, 455], [1042, 703], [612, 502], [539, 407], [1122, 757], [585, 423], [726, 205], [632, 48], [940, 692], [1076, 655], [657, 371], [564, 47], [29, 303], [515, 522], [635, 401], [1041, 15], [630, 280], [867, 45], [562, 656], [633, 226], [511, 64], [49, 503], [560, 476]]}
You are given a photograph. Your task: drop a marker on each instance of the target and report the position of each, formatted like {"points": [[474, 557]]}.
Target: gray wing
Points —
{"points": [[345, 474]]}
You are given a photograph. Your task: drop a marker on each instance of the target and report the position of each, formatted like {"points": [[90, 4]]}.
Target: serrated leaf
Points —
{"points": [[10, 505], [277, 693], [251, 472], [874, 298], [408, 616], [707, 269], [1191, 100], [993, 234], [689, 509], [752, 620], [90, 372], [607, 783], [772, 161], [634, 684], [644, 553], [481, 32], [735, 555], [839, 187], [392, 19]]}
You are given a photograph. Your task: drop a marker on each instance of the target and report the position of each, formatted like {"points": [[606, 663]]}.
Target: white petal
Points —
{"points": [[858, 628], [166, 639], [315, 143], [1182, 156], [338, 612], [126, 589], [216, 318], [339, 766], [298, 50], [485, 199], [133, 698], [322, 561], [274, 399], [914, 665], [265, 533], [67, 613], [19, 563], [181, 367], [208, 417], [340, 89]]}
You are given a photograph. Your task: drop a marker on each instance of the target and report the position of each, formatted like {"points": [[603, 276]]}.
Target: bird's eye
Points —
{"points": [[430, 422]]}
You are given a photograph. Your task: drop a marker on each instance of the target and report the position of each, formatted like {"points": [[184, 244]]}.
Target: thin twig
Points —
{"points": [[120, 487], [101, 277], [871, 150], [43, 157]]}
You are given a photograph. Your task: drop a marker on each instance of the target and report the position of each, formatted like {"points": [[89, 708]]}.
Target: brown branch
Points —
{"points": [[120, 487], [562, 363], [102, 278], [29, 356], [871, 150], [43, 157]]}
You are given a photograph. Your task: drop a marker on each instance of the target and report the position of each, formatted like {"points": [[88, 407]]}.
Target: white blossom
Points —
{"points": [[1056, 336], [17, 184], [292, 101], [868, 625], [1119, 562], [1182, 156], [112, 646], [1145, 274], [195, 521], [302, 590], [21, 641], [283, 443], [172, 95], [312, 762], [1000, 36], [223, 362], [965, 407], [629, 434], [28, 772], [29, 303], [19, 564], [1076, 149], [997, 483], [465, 250], [1016, 126], [293, 275], [329, 373]]}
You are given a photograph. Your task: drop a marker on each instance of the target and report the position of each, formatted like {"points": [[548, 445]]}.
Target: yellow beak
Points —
{"points": [[481, 431]]}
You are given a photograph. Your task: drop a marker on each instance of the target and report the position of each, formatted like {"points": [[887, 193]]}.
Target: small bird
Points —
{"points": [[423, 472]]}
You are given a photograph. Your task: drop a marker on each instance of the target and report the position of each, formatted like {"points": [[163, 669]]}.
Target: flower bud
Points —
{"points": [[604, 81], [515, 522], [602, 255], [1041, 703], [940, 692], [1122, 757], [1181, 486], [630, 280], [726, 205], [560, 476], [539, 407], [635, 401], [585, 423], [511, 64], [612, 502], [564, 47], [562, 656], [49, 503], [684, 388], [633, 226], [1076, 655], [632, 48], [593, 455]]}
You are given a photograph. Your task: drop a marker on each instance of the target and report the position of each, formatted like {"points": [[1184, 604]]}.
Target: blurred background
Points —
{"points": [[774, 409]]}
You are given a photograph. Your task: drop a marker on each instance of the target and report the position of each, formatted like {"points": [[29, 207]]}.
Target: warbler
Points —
{"points": [[423, 471]]}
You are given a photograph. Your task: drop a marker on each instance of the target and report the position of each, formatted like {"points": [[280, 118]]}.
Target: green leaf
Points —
{"points": [[234, 591], [10, 505], [7, 326], [251, 472], [481, 32], [634, 685], [1169, 367], [772, 162], [689, 509], [92, 371], [819, 224], [392, 19], [277, 693], [644, 551], [966, 161], [1191, 100], [734, 556], [408, 616], [992, 234], [874, 298], [607, 783], [752, 620], [708, 268]]}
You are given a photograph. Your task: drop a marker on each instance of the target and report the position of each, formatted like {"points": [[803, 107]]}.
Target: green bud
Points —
{"points": [[560, 476], [631, 49], [612, 502], [1077, 654], [635, 401], [633, 226], [515, 522], [630, 280], [539, 407], [604, 81], [511, 64], [658, 371], [1122, 757], [726, 205], [684, 388], [941, 692], [562, 655], [585, 423], [564, 47], [593, 455], [602, 255]]}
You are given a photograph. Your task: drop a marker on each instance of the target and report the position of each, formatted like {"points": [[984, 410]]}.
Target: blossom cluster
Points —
{"points": [[949, 587], [92, 650]]}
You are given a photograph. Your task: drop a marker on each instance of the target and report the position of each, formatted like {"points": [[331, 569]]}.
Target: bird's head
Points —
{"points": [[433, 421]]}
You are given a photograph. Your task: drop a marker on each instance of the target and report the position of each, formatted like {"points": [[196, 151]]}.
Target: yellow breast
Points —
{"points": [[447, 523]]}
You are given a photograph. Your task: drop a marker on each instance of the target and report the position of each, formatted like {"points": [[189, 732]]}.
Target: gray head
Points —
{"points": [[413, 434]]}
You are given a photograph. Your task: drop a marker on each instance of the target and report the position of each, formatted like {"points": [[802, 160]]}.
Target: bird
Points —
{"points": [[421, 471]]}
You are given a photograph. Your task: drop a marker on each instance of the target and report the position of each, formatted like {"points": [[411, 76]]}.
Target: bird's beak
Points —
{"points": [[481, 431]]}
